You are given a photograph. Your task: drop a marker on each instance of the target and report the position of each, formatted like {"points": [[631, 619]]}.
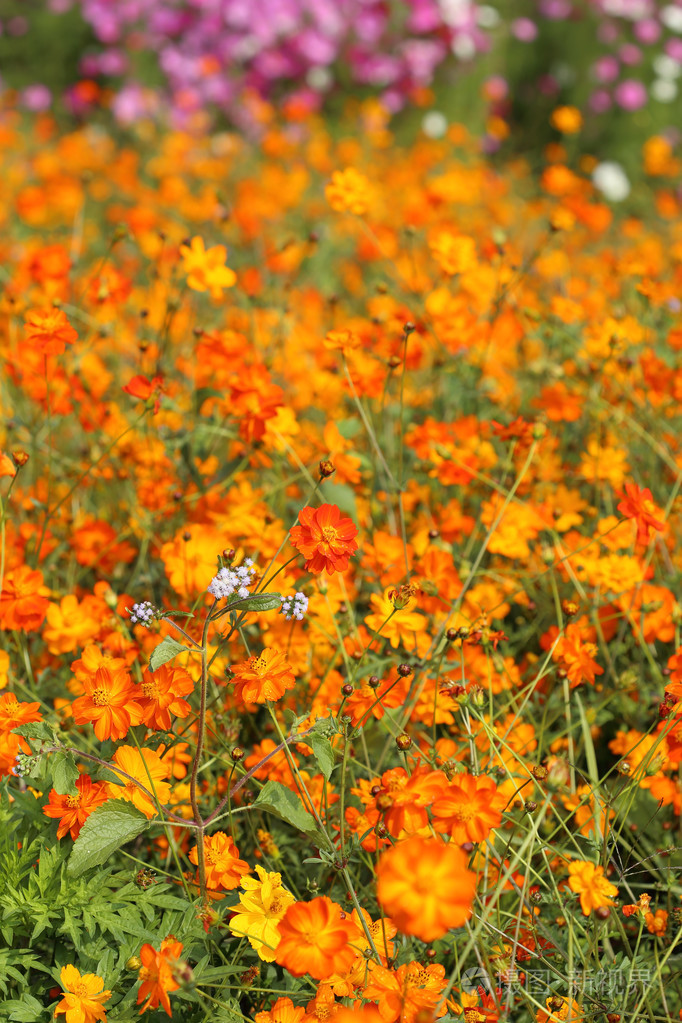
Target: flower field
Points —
{"points": [[341, 647]]}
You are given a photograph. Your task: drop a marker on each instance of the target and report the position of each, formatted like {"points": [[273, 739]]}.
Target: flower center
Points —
{"points": [[81, 991], [330, 535], [150, 690], [100, 698], [73, 801], [463, 813]]}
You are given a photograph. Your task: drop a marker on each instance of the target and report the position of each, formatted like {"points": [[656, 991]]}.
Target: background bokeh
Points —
{"points": [[501, 67]]}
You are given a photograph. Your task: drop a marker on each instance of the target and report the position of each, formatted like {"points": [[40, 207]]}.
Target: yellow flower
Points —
{"points": [[205, 268], [263, 905], [83, 996], [147, 767], [588, 880]]}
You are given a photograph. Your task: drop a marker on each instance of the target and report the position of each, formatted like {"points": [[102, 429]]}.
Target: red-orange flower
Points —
{"points": [[315, 939], [161, 694], [266, 677], [110, 703], [325, 539], [23, 603], [639, 505], [425, 886], [142, 388], [49, 331], [158, 974], [72, 811]]}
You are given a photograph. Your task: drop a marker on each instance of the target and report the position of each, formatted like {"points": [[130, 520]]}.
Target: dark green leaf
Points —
{"points": [[277, 799], [324, 754], [167, 649], [256, 602], [105, 831], [64, 772]]}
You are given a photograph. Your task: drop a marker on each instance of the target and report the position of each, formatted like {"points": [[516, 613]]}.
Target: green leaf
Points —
{"points": [[277, 799], [167, 649], [105, 830], [35, 730], [324, 754], [256, 602], [64, 773]]}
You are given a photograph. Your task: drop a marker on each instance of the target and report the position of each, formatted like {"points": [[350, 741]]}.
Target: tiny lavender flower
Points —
{"points": [[294, 607], [233, 580], [143, 614]]}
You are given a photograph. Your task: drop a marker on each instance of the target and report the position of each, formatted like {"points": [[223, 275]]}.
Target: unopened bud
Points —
{"points": [[237, 754], [326, 468], [403, 742], [133, 964]]}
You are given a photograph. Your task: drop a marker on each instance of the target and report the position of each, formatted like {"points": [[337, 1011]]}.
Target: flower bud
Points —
{"points": [[237, 754], [602, 912], [404, 670], [19, 458], [373, 681], [403, 742], [133, 964], [539, 772], [347, 690], [326, 468]]}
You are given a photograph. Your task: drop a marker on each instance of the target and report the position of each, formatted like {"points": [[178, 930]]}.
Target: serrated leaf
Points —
{"points": [[105, 831], [64, 773], [277, 799], [324, 754], [167, 649], [256, 602], [35, 730]]}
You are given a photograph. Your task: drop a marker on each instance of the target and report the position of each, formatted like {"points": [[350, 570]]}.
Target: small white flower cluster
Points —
{"points": [[143, 614], [233, 580], [294, 607]]}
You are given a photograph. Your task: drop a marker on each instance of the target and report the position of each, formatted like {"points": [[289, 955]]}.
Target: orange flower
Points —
{"points": [[82, 1002], [588, 880], [325, 539], [158, 974], [469, 808], [639, 505], [224, 869], [315, 939], [341, 340], [161, 694], [13, 713], [50, 332], [348, 190], [73, 811], [410, 991], [455, 253], [110, 703], [146, 767], [404, 798], [205, 268], [425, 887], [283, 1011], [322, 1006], [575, 657], [23, 603], [262, 678], [567, 120], [7, 466], [71, 625]]}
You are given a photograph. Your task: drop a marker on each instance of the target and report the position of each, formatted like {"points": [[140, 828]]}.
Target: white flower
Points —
{"points": [[294, 607], [671, 16], [229, 581], [664, 90], [434, 124], [611, 180]]}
